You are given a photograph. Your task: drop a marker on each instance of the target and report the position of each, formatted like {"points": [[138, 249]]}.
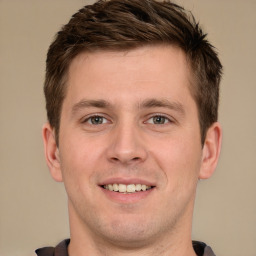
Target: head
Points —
{"points": [[120, 25], [132, 94]]}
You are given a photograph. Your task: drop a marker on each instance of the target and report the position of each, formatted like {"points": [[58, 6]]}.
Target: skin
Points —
{"points": [[146, 130]]}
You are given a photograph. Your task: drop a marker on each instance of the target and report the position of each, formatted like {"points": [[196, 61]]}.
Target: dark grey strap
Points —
{"points": [[208, 251]]}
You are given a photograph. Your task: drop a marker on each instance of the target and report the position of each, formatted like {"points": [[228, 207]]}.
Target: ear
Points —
{"points": [[211, 151], [51, 152]]}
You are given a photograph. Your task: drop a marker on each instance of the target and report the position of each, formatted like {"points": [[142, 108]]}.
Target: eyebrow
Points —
{"points": [[90, 103], [148, 103], [163, 103]]}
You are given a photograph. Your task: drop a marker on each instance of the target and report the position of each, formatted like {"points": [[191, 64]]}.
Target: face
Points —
{"points": [[129, 124]]}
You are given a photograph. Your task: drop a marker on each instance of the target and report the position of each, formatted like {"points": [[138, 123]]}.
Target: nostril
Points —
{"points": [[134, 159]]}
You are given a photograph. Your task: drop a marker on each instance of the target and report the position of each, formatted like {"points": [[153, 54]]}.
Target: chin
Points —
{"points": [[130, 233]]}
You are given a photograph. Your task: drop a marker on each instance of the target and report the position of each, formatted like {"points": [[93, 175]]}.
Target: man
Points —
{"points": [[132, 99]]}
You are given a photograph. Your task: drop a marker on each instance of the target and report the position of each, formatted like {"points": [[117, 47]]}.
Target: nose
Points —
{"points": [[127, 145]]}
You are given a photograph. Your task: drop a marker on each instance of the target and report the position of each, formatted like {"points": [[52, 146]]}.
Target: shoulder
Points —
{"points": [[60, 250], [201, 249]]}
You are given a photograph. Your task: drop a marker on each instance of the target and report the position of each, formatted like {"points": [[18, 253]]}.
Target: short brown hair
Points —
{"points": [[128, 24]]}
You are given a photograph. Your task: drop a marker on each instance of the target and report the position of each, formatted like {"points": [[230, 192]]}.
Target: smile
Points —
{"points": [[130, 188]]}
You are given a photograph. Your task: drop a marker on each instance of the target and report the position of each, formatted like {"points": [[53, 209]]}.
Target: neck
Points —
{"points": [[164, 248], [107, 250]]}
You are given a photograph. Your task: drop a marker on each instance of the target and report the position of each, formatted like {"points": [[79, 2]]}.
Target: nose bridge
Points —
{"points": [[127, 144]]}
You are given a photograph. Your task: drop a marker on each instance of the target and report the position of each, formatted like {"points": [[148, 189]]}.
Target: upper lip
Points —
{"points": [[126, 181]]}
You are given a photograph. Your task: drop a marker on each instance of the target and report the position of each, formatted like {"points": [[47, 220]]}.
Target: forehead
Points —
{"points": [[139, 73]]}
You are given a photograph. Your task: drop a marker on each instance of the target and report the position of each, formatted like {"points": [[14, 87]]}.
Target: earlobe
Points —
{"points": [[51, 152], [211, 151]]}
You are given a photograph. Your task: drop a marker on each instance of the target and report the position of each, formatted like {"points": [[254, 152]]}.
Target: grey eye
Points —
{"points": [[159, 120], [96, 120]]}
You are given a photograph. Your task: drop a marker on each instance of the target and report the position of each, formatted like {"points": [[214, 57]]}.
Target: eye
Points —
{"points": [[158, 119], [96, 120]]}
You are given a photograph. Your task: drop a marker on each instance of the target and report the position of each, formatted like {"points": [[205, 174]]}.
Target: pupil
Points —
{"points": [[97, 120], [159, 120]]}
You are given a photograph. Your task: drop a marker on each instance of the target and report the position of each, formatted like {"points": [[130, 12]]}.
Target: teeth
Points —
{"points": [[115, 187], [143, 187], [110, 187], [130, 188], [122, 188], [138, 187]]}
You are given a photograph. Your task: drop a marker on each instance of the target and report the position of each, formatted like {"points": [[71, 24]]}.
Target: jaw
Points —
{"points": [[131, 232], [130, 220]]}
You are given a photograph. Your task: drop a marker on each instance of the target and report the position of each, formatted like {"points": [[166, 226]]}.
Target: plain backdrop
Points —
{"points": [[33, 210]]}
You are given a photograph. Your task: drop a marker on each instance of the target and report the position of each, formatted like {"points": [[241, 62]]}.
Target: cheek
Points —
{"points": [[79, 160], [179, 159]]}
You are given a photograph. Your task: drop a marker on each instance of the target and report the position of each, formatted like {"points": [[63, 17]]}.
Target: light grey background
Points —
{"points": [[33, 207]]}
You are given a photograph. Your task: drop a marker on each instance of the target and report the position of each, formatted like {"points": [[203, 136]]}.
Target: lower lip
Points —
{"points": [[127, 198]]}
